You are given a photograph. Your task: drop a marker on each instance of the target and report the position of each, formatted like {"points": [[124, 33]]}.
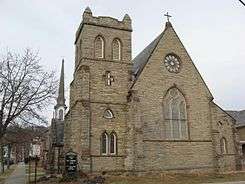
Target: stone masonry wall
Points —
{"points": [[152, 86]]}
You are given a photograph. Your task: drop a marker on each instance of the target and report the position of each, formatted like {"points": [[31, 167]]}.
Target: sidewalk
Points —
{"points": [[18, 176]]}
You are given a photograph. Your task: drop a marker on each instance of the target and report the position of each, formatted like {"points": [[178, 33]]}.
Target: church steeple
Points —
{"points": [[61, 94], [60, 105]]}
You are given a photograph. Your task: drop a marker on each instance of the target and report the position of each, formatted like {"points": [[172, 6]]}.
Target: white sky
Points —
{"points": [[212, 31]]}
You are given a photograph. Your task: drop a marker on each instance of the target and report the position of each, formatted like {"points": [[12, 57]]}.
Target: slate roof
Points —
{"points": [[239, 116], [140, 61]]}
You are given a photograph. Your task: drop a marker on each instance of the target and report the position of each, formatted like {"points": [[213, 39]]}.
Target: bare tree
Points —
{"points": [[25, 89], [242, 2]]}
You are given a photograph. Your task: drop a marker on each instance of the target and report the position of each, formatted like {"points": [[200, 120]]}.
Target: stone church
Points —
{"points": [[153, 113], [56, 130]]}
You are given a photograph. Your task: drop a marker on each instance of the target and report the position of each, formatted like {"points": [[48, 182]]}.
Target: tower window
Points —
{"points": [[113, 143], [116, 50], [61, 114], [99, 47], [108, 114], [104, 143]]}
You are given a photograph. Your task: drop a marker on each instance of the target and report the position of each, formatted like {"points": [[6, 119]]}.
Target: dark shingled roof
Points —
{"points": [[239, 116], [143, 57]]}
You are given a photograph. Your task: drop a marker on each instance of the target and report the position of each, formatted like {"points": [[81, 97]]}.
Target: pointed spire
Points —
{"points": [[61, 94], [126, 18], [88, 10]]}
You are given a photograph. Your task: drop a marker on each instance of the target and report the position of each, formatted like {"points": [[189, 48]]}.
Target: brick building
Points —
{"points": [[152, 113]]}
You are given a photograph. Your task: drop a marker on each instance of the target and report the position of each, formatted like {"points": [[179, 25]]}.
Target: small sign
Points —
{"points": [[71, 163]]}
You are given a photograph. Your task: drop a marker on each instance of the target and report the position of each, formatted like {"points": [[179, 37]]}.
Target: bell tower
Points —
{"points": [[101, 82]]}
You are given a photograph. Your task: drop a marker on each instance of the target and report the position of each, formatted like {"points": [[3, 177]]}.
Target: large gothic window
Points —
{"points": [[104, 143], [113, 143], [223, 145], [175, 115], [99, 47], [116, 50]]}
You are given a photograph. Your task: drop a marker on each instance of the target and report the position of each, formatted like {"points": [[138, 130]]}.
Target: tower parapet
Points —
{"points": [[104, 21]]}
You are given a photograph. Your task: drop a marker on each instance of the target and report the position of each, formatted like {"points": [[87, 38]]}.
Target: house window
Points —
{"points": [[104, 143], [99, 47], [175, 115], [113, 143], [108, 114], [223, 145], [116, 50]]}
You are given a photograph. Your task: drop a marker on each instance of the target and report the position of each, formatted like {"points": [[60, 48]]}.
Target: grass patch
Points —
{"points": [[176, 179], [7, 173]]}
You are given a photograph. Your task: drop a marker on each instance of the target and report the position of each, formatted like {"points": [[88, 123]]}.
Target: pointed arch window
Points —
{"points": [[108, 114], [61, 114], [223, 145], [116, 49], [99, 47], [175, 115], [104, 143], [113, 143]]}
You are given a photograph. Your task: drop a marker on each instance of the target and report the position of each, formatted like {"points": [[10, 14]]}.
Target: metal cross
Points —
{"points": [[168, 16], [108, 78]]}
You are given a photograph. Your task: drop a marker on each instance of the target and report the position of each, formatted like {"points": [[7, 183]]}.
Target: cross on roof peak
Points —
{"points": [[168, 16]]}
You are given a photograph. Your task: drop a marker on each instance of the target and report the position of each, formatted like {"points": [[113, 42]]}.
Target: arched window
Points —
{"points": [[223, 145], [113, 143], [116, 50], [104, 143], [61, 114], [175, 115], [99, 47], [108, 114]]}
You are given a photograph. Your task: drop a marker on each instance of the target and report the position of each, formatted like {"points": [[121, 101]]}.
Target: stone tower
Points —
{"points": [[57, 128], [98, 94]]}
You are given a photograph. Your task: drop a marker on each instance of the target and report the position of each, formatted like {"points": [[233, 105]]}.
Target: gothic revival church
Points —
{"points": [[152, 113]]}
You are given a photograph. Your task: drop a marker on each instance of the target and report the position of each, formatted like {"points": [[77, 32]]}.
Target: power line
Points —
{"points": [[242, 2]]}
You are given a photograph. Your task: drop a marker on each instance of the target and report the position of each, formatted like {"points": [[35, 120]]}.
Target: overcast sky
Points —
{"points": [[213, 31]]}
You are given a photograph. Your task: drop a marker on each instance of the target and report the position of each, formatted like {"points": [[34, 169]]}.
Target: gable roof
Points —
{"points": [[239, 116], [142, 58], [140, 61]]}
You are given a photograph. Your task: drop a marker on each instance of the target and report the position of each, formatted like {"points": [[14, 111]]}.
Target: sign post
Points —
{"points": [[71, 164]]}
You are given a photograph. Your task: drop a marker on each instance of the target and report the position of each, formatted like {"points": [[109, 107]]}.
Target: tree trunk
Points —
{"points": [[9, 152], [2, 157]]}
